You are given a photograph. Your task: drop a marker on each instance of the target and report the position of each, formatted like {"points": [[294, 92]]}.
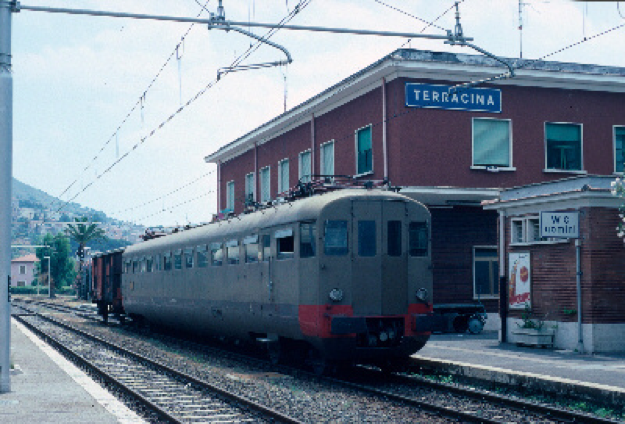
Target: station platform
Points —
{"points": [[599, 377], [46, 388]]}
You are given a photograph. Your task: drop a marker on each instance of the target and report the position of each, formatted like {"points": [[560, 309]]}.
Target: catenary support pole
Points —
{"points": [[6, 161]]}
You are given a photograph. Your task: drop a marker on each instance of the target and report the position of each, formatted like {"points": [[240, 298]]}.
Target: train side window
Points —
{"points": [[202, 256], [266, 247], [148, 264], [178, 259], [128, 266], [285, 243], [167, 261], [143, 264], [307, 240], [250, 244], [217, 254], [335, 238], [135, 266], [157, 263], [394, 238], [418, 239], [188, 257], [233, 252], [366, 238]]}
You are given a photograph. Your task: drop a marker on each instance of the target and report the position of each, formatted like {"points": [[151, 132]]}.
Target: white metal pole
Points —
{"points": [[578, 280], [6, 161]]}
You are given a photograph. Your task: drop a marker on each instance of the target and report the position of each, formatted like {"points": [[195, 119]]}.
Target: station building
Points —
{"points": [[407, 119]]}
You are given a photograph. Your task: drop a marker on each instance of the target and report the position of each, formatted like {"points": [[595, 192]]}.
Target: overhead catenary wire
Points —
{"points": [[302, 4], [140, 103]]}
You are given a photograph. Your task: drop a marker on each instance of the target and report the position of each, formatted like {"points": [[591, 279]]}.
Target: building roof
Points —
{"points": [[27, 258], [424, 64]]}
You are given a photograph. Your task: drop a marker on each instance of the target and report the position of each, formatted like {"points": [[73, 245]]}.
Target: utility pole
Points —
{"points": [[6, 172]]}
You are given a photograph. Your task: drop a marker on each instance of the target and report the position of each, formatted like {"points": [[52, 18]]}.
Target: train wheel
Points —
{"points": [[319, 364], [461, 324], [476, 325], [275, 352]]}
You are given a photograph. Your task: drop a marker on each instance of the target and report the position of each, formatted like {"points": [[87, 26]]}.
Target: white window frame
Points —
{"points": [[322, 163], [581, 141], [482, 296], [230, 195], [265, 196], [300, 163], [250, 187], [530, 232], [510, 166], [614, 127], [370, 172], [282, 186]]}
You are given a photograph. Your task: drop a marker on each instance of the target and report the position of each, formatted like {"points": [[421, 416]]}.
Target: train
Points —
{"points": [[344, 276]]}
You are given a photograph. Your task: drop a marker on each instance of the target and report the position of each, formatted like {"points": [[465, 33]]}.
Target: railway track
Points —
{"points": [[172, 395], [445, 401]]}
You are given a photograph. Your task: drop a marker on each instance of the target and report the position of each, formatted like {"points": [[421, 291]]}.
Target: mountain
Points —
{"points": [[27, 194]]}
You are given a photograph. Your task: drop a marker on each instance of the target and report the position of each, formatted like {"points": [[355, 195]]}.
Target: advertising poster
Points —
{"points": [[519, 280]]}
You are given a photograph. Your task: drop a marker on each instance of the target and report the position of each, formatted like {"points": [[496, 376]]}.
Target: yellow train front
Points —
{"points": [[343, 276]]}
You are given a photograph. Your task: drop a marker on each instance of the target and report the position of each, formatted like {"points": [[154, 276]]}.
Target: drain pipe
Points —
{"points": [[503, 287], [580, 335]]}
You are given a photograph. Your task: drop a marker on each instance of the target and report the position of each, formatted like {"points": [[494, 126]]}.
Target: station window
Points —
{"points": [[178, 259], [619, 142], [394, 238], [307, 240], [364, 152], [283, 176], [366, 238], [167, 261], [250, 191], [233, 252], [491, 142], [327, 158], [418, 239], [265, 184], [230, 196], [563, 143], [266, 247], [188, 258], [202, 256], [250, 244], [305, 166], [22, 269], [335, 238], [285, 243], [217, 254], [148, 264], [485, 272], [527, 230]]}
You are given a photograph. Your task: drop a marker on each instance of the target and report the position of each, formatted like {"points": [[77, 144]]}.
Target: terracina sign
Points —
{"points": [[443, 97]]}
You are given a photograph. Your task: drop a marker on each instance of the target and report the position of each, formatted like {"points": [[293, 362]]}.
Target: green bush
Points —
{"points": [[65, 290]]}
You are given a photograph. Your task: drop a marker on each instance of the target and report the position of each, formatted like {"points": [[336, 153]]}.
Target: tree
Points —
{"points": [[618, 189], [62, 268], [82, 232]]}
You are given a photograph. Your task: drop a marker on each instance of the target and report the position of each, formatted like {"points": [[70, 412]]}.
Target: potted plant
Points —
{"points": [[532, 331]]}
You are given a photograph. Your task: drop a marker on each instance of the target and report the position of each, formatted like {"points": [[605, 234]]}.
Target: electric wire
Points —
{"points": [[302, 4], [429, 24], [139, 103], [164, 195]]}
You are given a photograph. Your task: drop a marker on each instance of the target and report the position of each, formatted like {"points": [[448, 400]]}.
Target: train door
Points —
{"points": [[366, 258], [394, 278]]}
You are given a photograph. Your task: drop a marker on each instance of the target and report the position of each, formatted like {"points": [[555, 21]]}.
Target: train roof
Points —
{"points": [[304, 209]]}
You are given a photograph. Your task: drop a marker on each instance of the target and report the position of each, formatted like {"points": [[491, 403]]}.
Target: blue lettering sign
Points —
{"points": [[440, 97]]}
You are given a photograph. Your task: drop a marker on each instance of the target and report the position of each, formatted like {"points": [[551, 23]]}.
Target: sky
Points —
{"points": [[88, 90]]}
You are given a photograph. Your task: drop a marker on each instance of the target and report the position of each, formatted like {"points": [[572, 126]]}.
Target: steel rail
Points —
{"points": [[550, 411], [200, 383], [217, 22], [161, 413]]}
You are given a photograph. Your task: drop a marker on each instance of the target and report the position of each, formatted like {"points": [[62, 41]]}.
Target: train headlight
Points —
{"points": [[422, 295], [336, 295]]}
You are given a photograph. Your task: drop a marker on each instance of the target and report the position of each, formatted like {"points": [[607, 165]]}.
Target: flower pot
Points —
{"points": [[533, 337]]}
